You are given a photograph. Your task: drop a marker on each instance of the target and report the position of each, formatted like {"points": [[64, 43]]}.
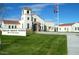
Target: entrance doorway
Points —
{"points": [[45, 28], [56, 29], [36, 27]]}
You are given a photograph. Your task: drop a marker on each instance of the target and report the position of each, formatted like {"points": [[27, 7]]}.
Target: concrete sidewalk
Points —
{"points": [[73, 44], [55, 33]]}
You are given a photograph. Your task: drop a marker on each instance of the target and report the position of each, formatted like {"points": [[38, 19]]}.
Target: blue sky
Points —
{"points": [[67, 12]]}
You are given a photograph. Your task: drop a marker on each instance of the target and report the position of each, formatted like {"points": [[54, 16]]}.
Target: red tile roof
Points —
{"points": [[70, 24], [10, 22]]}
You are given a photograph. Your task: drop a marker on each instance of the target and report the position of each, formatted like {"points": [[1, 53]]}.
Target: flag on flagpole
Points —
{"points": [[56, 8]]}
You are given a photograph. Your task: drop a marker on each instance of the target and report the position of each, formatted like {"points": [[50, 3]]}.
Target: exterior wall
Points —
{"points": [[49, 26], [0, 24], [22, 24], [41, 21], [24, 19], [65, 29], [3, 25], [75, 27], [24, 11], [6, 26]]}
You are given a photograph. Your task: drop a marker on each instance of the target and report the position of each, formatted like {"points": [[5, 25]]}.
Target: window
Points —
{"points": [[0, 25], [64, 28], [12, 27], [67, 29], [75, 28], [49, 27], [78, 28], [34, 19], [22, 25], [59, 28], [15, 26], [9, 27], [52, 28], [42, 27], [27, 18], [28, 26], [27, 11]]}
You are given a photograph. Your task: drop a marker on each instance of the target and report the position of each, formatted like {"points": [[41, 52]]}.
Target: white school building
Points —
{"points": [[70, 27], [28, 21], [31, 21]]}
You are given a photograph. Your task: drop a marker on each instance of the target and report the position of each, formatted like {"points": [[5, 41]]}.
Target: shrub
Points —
{"points": [[0, 32], [29, 32]]}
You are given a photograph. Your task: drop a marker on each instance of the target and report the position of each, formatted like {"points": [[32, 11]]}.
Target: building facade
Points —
{"points": [[31, 21], [28, 21], [49, 26], [71, 27]]}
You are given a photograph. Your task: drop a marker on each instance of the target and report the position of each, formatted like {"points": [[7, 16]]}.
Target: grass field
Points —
{"points": [[34, 44]]}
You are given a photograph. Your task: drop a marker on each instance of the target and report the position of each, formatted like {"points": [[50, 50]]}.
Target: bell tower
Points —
{"points": [[26, 18], [26, 11]]}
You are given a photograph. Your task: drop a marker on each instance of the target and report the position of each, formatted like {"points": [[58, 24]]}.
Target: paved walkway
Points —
{"points": [[73, 44], [72, 41]]}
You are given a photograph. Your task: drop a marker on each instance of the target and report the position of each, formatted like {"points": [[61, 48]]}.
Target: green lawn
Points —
{"points": [[34, 44]]}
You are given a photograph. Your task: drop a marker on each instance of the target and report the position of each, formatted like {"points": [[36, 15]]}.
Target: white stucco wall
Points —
{"points": [[31, 16], [24, 21], [76, 25], [64, 28], [40, 20], [69, 28], [50, 24], [0, 25], [24, 11], [6, 26]]}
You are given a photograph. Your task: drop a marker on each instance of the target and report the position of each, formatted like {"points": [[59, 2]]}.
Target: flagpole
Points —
{"points": [[58, 14]]}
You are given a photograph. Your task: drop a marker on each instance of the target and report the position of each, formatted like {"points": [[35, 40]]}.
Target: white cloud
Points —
{"points": [[40, 5], [37, 7]]}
